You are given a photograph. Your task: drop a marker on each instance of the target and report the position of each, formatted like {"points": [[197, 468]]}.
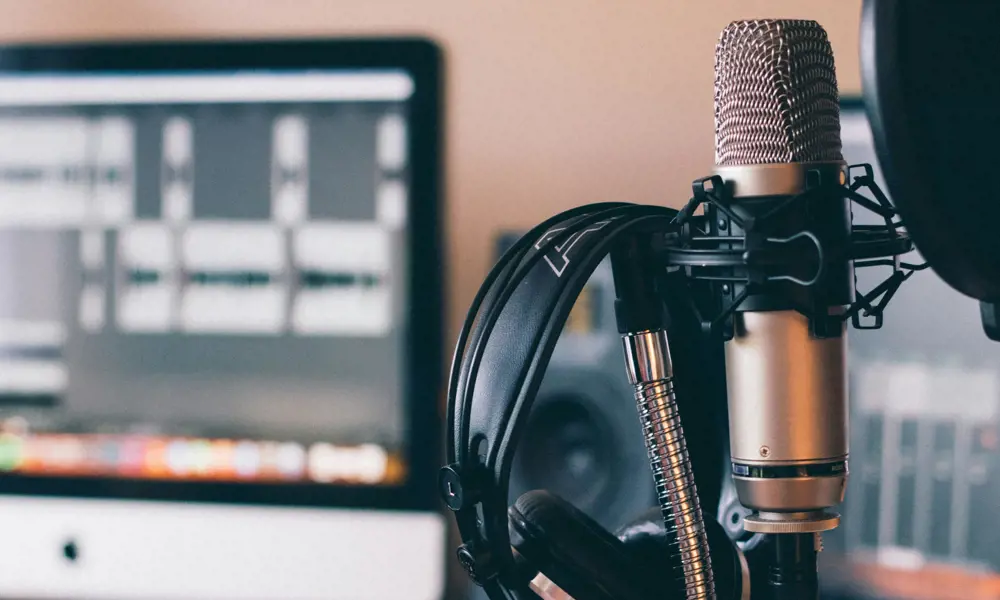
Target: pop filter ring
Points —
{"points": [[899, 101]]}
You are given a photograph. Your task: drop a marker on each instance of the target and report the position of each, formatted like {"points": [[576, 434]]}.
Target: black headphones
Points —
{"points": [[500, 358]]}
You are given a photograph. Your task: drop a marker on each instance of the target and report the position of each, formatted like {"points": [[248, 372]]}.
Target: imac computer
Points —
{"points": [[220, 320]]}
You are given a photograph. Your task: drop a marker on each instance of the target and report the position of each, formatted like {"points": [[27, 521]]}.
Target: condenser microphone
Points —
{"points": [[778, 152]]}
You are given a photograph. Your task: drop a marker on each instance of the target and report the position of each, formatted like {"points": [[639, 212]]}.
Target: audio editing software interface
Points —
{"points": [[202, 276]]}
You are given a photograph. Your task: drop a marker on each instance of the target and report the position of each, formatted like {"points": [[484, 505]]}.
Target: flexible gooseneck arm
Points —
{"points": [[642, 320]]}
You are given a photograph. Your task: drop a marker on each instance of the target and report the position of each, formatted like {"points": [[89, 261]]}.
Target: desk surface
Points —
{"points": [[868, 579]]}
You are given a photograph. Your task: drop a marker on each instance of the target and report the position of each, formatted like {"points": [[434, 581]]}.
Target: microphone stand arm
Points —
{"points": [[794, 573]]}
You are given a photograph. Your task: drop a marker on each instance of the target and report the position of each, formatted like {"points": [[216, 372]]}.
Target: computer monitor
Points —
{"points": [[918, 519], [220, 320]]}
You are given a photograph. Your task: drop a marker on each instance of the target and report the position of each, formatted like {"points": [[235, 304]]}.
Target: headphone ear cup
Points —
{"points": [[572, 550]]}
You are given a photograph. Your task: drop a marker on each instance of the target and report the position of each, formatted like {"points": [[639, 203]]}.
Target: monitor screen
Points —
{"points": [[204, 276]]}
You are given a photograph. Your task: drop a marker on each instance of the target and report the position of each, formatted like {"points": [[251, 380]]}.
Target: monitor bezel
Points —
{"points": [[422, 59]]}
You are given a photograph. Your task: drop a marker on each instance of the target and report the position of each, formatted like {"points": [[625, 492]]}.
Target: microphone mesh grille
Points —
{"points": [[776, 95]]}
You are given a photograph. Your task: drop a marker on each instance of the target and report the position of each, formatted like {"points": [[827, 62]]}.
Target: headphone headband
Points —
{"points": [[501, 357]]}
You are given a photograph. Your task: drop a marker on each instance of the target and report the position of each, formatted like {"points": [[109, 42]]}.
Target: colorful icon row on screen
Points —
{"points": [[184, 458]]}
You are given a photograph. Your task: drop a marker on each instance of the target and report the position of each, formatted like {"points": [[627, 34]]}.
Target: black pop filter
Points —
{"points": [[931, 80]]}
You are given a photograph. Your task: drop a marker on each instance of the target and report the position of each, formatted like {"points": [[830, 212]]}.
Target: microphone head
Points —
{"points": [[776, 97]]}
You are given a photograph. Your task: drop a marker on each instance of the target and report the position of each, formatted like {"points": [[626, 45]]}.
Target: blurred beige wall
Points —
{"points": [[550, 104]]}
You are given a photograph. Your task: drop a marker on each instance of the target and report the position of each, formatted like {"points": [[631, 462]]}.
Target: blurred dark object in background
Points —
{"points": [[931, 98]]}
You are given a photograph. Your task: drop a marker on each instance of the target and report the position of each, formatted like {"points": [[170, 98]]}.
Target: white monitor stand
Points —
{"points": [[58, 548]]}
